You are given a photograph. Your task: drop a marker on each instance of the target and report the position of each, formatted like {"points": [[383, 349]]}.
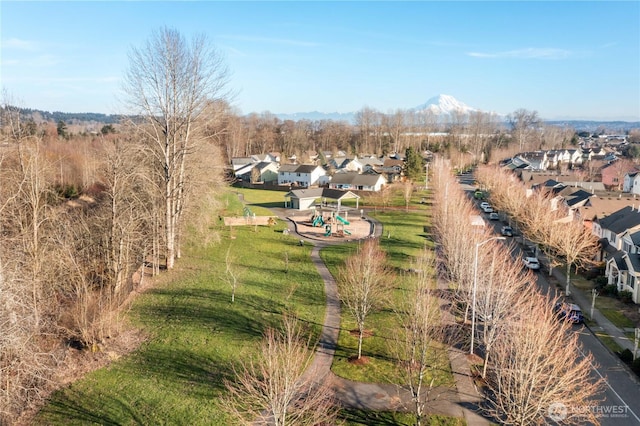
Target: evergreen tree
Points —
{"points": [[62, 130], [413, 164]]}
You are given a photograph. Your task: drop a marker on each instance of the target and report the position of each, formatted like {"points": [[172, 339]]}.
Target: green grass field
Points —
{"points": [[403, 239], [196, 335]]}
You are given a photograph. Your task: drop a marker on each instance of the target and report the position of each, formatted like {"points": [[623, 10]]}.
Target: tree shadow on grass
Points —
{"points": [[374, 418], [71, 407], [176, 369]]}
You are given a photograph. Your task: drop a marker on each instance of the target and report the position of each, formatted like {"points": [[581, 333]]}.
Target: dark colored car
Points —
{"points": [[506, 231], [569, 312]]}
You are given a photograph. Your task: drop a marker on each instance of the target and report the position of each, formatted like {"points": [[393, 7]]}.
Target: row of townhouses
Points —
{"points": [[551, 159], [614, 218], [364, 173]]}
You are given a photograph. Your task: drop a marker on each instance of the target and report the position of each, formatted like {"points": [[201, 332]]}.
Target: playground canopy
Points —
{"points": [[304, 199]]}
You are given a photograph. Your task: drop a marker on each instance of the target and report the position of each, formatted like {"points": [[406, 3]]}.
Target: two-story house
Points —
{"points": [[623, 267], [536, 159], [302, 175]]}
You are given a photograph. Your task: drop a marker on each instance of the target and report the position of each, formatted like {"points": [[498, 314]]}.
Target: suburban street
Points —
{"points": [[620, 404]]}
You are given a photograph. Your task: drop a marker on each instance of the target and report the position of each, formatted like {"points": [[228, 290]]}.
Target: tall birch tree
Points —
{"points": [[169, 83]]}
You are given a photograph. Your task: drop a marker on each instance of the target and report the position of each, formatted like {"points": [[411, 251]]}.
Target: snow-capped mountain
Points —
{"points": [[445, 105], [442, 106]]}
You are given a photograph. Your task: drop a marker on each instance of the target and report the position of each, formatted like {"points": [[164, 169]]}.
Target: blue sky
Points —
{"points": [[570, 59]]}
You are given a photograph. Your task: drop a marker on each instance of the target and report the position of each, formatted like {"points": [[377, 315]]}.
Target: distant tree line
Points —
{"points": [[68, 117]]}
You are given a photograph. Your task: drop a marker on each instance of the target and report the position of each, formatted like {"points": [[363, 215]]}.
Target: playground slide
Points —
{"points": [[318, 221], [328, 231], [343, 220], [347, 232]]}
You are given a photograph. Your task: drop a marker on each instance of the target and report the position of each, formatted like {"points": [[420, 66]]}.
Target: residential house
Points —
{"points": [[614, 172], [631, 183], [611, 228], [393, 169], [350, 164], [573, 198], [263, 172], [536, 159], [623, 267], [357, 182], [516, 164], [574, 156], [554, 157], [371, 163], [303, 175], [240, 162], [267, 158]]}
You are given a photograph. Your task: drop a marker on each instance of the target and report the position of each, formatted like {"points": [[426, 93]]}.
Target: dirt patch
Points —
{"points": [[363, 360]]}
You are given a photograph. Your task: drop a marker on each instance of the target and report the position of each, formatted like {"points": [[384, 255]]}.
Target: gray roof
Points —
{"points": [[355, 179], [334, 194], [577, 197], [621, 220], [635, 238], [288, 168], [306, 168], [618, 257]]}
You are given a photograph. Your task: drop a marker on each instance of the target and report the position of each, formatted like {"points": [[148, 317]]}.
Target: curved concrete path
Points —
{"points": [[374, 396]]}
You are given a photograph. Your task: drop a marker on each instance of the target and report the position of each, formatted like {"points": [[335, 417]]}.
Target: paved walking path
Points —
{"points": [[461, 402]]}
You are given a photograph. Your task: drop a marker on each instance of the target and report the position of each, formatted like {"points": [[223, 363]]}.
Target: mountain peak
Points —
{"points": [[445, 105]]}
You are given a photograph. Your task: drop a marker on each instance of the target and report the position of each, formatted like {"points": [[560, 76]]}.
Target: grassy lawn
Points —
{"points": [[609, 342], [608, 306], [403, 239], [196, 334]]}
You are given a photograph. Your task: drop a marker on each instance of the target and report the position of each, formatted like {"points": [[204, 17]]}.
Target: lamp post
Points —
{"points": [[475, 286]]}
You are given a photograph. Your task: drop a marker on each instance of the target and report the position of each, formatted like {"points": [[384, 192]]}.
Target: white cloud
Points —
{"points": [[527, 53], [18, 44]]}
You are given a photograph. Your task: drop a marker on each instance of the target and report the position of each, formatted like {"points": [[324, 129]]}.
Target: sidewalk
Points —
{"points": [[583, 299], [461, 401]]}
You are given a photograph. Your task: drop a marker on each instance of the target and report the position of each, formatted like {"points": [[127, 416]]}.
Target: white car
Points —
{"points": [[487, 209], [484, 204], [531, 263]]}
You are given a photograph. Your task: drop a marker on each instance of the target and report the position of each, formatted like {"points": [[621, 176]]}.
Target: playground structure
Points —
{"points": [[334, 224]]}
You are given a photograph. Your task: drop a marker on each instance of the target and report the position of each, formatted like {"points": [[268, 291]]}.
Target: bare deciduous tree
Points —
{"points": [[574, 243], [364, 282], [232, 274], [524, 125], [419, 346], [407, 192], [536, 370], [170, 83], [274, 389]]}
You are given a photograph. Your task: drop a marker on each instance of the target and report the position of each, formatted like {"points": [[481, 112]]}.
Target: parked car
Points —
{"points": [[478, 194], [494, 216], [484, 204], [487, 209], [506, 231], [569, 312], [531, 263]]}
